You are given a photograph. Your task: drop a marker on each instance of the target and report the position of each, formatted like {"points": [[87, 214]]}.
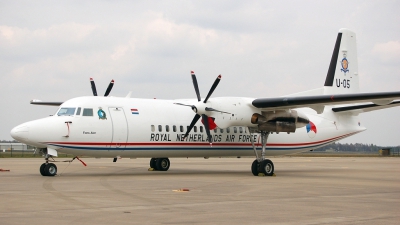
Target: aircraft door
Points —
{"points": [[119, 127]]}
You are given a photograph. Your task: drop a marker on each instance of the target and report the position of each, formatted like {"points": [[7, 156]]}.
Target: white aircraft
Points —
{"points": [[230, 126]]}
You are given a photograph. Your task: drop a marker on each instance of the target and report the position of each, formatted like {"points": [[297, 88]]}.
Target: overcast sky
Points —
{"points": [[50, 49]]}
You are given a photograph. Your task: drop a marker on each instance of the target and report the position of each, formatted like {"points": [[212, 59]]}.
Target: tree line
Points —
{"points": [[339, 147]]}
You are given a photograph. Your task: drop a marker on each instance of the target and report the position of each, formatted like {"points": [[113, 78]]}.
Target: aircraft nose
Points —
{"points": [[20, 133]]}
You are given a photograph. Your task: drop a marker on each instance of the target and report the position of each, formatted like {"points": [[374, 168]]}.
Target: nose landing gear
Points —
{"points": [[48, 169]]}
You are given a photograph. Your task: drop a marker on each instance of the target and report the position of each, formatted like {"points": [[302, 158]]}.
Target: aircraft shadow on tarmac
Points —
{"points": [[143, 172]]}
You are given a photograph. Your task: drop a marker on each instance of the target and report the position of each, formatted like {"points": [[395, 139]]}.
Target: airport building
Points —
{"points": [[14, 146]]}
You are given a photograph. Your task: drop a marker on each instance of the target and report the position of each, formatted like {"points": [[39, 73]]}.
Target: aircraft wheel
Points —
{"points": [[255, 167], [267, 167], [153, 163], [42, 172], [50, 169], [162, 164]]}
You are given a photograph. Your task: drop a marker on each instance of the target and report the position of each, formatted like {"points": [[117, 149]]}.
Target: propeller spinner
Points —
{"points": [[93, 85], [201, 109]]}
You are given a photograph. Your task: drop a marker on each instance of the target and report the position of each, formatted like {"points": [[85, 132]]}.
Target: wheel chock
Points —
{"points": [[151, 169], [3, 170], [182, 190], [274, 175]]}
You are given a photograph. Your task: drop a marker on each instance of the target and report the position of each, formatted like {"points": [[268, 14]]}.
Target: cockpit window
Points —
{"points": [[87, 112], [66, 112], [78, 112]]}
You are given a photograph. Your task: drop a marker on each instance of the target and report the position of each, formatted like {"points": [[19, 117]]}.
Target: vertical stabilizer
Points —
{"points": [[342, 77]]}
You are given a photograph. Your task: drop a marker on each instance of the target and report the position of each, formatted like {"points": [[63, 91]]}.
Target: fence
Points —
{"points": [[11, 149]]}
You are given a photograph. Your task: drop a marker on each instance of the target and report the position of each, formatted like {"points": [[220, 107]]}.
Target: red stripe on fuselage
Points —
{"points": [[194, 144]]}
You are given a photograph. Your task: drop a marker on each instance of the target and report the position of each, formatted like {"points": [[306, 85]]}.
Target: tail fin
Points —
{"points": [[342, 77]]}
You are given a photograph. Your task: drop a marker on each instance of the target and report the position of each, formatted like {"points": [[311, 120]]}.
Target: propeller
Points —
{"points": [[199, 115], [93, 85]]}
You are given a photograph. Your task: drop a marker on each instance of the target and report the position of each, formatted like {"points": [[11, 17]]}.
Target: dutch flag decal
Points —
{"points": [[135, 112]]}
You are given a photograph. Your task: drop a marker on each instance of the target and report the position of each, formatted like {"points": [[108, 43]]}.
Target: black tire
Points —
{"points": [[42, 172], [255, 167], [153, 163], [267, 167], [162, 164], [50, 169]]}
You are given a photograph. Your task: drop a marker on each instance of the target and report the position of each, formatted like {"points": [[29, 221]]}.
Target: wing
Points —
{"points": [[39, 102], [318, 102]]}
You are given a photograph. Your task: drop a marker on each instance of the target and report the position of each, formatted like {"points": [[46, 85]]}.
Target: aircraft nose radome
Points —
{"points": [[20, 133]]}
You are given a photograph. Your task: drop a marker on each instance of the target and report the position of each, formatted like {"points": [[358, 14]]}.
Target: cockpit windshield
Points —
{"points": [[66, 112]]}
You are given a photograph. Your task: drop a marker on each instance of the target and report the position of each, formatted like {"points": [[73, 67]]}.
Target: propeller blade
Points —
{"points": [[109, 88], [207, 127], [177, 103], [93, 87], [196, 86], [214, 110], [194, 121], [191, 106], [215, 84]]}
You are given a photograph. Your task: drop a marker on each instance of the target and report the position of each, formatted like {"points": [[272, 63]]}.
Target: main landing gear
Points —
{"points": [[160, 164], [262, 166], [48, 169]]}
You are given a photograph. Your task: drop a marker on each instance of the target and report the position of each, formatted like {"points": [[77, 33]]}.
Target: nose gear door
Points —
{"points": [[119, 127]]}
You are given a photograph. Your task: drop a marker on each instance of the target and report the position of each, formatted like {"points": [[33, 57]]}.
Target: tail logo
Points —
{"points": [[345, 64], [311, 129]]}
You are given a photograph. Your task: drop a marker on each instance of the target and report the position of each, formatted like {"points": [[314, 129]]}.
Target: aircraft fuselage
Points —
{"points": [[129, 127]]}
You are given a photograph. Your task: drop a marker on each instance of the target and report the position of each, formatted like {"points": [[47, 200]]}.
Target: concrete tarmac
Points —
{"points": [[334, 190]]}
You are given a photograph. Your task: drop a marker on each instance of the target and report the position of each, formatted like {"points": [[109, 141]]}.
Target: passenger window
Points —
{"points": [[167, 128], [153, 128], [174, 128], [222, 130], [228, 130], [87, 112], [195, 129], [235, 130], [159, 128], [215, 130], [66, 112], [240, 129], [181, 128], [78, 112], [201, 129]]}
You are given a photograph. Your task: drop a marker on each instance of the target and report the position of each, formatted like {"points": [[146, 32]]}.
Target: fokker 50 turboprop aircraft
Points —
{"points": [[209, 127]]}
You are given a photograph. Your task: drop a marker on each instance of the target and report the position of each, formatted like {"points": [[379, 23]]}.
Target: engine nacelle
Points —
{"points": [[278, 126], [280, 121]]}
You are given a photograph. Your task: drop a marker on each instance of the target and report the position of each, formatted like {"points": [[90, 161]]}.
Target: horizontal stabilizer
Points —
{"points": [[364, 107]]}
